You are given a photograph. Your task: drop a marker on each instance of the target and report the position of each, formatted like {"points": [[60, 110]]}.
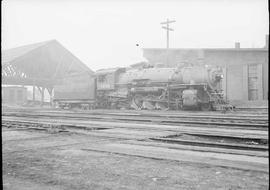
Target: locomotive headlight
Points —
{"points": [[218, 77]]}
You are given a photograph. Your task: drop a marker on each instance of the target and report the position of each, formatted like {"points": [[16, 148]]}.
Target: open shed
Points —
{"points": [[40, 65]]}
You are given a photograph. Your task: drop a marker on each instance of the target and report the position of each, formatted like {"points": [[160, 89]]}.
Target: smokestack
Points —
{"points": [[237, 45], [266, 41]]}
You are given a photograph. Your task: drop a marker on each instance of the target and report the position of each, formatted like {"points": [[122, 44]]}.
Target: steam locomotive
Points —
{"points": [[183, 87]]}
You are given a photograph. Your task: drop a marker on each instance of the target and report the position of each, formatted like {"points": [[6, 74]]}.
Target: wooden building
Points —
{"points": [[14, 95]]}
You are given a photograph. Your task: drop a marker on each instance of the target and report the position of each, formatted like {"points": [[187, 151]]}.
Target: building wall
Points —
{"points": [[265, 80], [14, 95], [173, 57], [236, 63], [234, 83]]}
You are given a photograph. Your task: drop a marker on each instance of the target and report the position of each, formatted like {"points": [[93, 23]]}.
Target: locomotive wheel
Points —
{"points": [[113, 105], [162, 106], [137, 102], [206, 107], [148, 105]]}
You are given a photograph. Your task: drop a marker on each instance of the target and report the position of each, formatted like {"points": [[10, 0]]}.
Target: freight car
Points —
{"points": [[185, 87]]}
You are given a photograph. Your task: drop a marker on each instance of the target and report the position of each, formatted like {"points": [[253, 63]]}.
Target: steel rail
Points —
{"points": [[212, 144], [141, 119], [244, 118], [62, 128]]}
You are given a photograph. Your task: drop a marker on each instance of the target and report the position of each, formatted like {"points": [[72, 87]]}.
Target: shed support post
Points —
{"points": [[42, 95], [34, 92], [168, 89], [41, 90], [51, 98]]}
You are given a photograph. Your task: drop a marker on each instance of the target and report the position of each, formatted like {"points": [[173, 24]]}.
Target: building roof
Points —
{"points": [[11, 54], [206, 49], [109, 70], [43, 63]]}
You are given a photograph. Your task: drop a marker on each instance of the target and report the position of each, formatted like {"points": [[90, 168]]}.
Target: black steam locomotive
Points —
{"points": [[186, 87]]}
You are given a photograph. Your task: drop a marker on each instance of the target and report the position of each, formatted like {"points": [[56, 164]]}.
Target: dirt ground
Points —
{"points": [[41, 160]]}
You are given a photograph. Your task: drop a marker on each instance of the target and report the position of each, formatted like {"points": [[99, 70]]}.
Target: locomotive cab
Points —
{"points": [[108, 94]]}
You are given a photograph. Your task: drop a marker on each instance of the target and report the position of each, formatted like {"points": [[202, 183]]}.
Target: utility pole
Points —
{"points": [[166, 27]]}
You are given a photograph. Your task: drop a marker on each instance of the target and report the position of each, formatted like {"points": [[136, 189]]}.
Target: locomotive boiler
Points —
{"points": [[185, 87]]}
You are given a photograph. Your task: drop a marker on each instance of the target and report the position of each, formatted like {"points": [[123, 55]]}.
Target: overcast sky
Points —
{"points": [[104, 33]]}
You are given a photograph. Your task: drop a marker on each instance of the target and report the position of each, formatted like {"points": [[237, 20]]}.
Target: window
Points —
{"points": [[252, 82]]}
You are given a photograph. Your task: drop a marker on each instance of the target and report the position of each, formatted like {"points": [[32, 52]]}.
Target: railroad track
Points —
{"points": [[209, 120], [142, 112], [255, 118], [88, 124], [248, 142], [228, 148], [213, 144], [218, 139], [202, 120]]}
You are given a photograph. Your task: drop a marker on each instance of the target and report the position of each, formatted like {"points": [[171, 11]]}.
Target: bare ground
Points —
{"points": [[39, 160]]}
